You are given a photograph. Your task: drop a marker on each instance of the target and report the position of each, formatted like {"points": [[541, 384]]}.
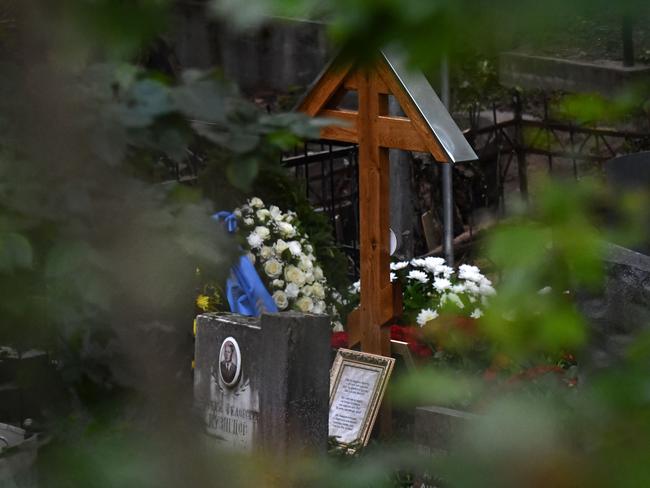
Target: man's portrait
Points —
{"points": [[229, 362]]}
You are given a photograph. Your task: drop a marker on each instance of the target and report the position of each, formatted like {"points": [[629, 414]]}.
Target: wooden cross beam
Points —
{"points": [[375, 131]]}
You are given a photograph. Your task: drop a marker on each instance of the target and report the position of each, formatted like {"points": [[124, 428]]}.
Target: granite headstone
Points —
{"points": [[263, 384]]}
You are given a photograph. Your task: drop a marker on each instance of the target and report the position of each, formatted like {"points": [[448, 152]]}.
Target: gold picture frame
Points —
{"points": [[358, 381]]}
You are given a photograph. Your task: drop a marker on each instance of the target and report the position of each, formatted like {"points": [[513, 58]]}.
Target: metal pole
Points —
{"points": [[447, 183], [628, 40]]}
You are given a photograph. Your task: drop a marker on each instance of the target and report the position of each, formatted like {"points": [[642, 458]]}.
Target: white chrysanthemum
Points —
{"points": [[417, 275], [469, 272], [398, 265], [256, 202], [305, 304], [426, 315], [294, 274], [486, 290], [459, 288], [254, 240], [337, 326], [476, 314], [280, 299], [277, 283], [309, 248], [444, 270], [280, 246], [441, 284], [292, 290], [432, 263], [248, 221], [266, 252], [418, 262], [263, 232], [286, 229], [275, 212], [273, 268], [294, 248], [356, 287], [393, 277], [319, 291], [471, 287]]}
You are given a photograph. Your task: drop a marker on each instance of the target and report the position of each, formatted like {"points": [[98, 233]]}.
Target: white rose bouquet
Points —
{"points": [[284, 259]]}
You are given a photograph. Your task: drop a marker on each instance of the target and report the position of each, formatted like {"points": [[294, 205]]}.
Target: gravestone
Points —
{"points": [[620, 311], [263, 384]]}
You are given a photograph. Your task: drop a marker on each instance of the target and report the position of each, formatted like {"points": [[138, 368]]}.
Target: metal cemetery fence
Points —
{"points": [[514, 141]]}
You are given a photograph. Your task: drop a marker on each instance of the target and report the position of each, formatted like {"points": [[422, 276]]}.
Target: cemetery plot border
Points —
{"points": [[357, 385]]}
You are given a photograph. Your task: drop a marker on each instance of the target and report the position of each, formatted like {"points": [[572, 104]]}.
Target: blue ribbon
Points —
{"points": [[228, 218], [245, 290]]}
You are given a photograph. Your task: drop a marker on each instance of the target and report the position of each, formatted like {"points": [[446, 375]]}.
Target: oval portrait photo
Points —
{"points": [[229, 362]]}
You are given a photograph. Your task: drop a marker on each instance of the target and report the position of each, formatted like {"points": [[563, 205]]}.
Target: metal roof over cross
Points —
{"points": [[426, 127]]}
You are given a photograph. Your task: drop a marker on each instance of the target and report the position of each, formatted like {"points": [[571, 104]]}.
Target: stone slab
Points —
{"points": [[436, 426], [541, 72]]}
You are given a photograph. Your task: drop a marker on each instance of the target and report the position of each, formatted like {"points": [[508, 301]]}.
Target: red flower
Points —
{"points": [[413, 337], [397, 333], [339, 339]]}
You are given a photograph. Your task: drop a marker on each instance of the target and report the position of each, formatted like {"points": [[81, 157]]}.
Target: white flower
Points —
{"points": [[476, 314], [459, 288], [275, 212], [280, 299], [319, 291], [433, 263], [468, 272], [418, 262], [426, 315], [263, 232], [471, 287], [294, 247], [307, 290], [277, 283], [441, 284], [256, 202], [309, 276], [398, 265], [416, 275], [254, 240], [263, 214], [393, 277], [318, 273], [273, 268], [294, 275], [305, 263], [248, 221], [486, 290], [266, 252], [356, 287], [319, 306], [445, 270], [337, 326], [280, 246], [305, 304], [286, 229], [309, 248], [237, 213], [292, 290], [455, 299]]}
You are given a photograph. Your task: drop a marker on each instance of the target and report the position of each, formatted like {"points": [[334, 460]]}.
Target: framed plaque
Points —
{"points": [[358, 381]]}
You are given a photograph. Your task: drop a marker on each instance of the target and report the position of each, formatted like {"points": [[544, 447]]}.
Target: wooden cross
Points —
{"points": [[427, 127]]}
